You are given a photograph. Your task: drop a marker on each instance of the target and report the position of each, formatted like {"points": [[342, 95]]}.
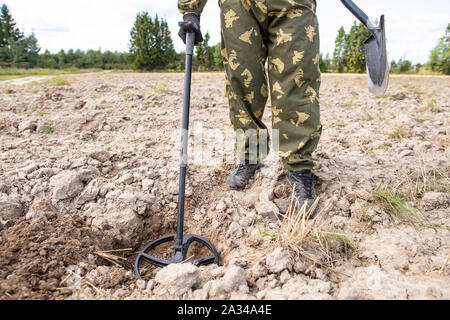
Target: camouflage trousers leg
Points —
{"points": [[286, 34]]}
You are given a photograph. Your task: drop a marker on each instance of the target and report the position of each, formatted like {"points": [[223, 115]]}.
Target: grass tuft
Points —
{"points": [[399, 133], [161, 89], [395, 204], [58, 82], [49, 128]]}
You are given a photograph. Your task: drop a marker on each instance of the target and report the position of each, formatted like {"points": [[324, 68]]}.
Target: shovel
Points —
{"points": [[378, 67], [182, 242]]}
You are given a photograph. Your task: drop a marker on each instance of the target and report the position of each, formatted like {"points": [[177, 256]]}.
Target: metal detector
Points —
{"points": [[182, 243]]}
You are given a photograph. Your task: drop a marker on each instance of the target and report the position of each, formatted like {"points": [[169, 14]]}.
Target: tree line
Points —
{"points": [[151, 48]]}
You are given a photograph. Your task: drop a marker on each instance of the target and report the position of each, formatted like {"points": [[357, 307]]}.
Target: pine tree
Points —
{"points": [[9, 33], [325, 63], [14, 46], [340, 50], [25, 51], [217, 59], [151, 46], [203, 52], [356, 51], [440, 55]]}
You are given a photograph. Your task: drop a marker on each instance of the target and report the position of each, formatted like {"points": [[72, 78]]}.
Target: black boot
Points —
{"points": [[240, 178], [304, 188]]}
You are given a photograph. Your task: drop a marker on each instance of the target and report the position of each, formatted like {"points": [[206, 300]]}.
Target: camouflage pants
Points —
{"points": [[286, 33]]}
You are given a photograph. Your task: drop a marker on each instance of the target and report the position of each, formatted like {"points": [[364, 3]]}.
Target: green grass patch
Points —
{"points": [[338, 242], [10, 77], [161, 89], [14, 73], [347, 104], [58, 82], [262, 233], [49, 128], [42, 113]]}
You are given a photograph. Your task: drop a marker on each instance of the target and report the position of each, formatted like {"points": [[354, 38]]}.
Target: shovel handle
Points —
{"points": [[358, 13]]}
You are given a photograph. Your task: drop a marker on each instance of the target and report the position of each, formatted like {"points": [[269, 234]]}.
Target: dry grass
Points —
{"points": [[444, 265], [426, 178], [395, 197], [399, 133], [82, 282], [111, 257], [300, 227], [298, 224]]}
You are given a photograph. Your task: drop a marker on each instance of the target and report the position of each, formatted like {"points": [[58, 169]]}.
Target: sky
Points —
{"points": [[413, 27]]}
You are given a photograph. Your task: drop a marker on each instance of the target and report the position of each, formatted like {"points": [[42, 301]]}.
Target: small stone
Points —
{"points": [[10, 208], [234, 278], [127, 179], [266, 208], [235, 231], [431, 196], [221, 207], [141, 284], [89, 193], [406, 153], [343, 204], [27, 125], [423, 147], [285, 276], [239, 262], [173, 188], [120, 293], [102, 156], [79, 105], [88, 174], [178, 278], [283, 204], [279, 261], [66, 185], [3, 188], [147, 184], [259, 270], [30, 168], [251, 198]]}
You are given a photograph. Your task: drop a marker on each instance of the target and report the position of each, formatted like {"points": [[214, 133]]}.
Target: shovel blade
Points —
{"points": [[378, 66]]}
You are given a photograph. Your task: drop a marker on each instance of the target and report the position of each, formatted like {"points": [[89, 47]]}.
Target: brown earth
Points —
{"points": [[90, 164]]}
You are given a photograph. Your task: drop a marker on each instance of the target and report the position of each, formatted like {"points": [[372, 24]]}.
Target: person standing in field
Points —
{"points": [[286, 34]]}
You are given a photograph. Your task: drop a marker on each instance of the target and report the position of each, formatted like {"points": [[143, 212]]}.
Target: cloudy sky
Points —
{"points": [[413, 27]]}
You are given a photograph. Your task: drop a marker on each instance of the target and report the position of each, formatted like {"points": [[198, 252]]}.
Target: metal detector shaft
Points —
{"points": [[190, 39]]}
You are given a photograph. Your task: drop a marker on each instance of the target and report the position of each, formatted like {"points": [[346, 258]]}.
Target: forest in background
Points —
{"points": [[151, 48]]}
